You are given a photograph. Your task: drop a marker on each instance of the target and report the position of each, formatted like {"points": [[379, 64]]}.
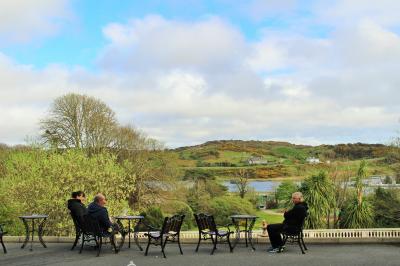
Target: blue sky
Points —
{"points": [[80, 38], [189, 71]]}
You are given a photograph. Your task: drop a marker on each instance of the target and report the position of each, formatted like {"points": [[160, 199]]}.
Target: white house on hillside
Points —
{"points": [[256, 160], [313, 160]]}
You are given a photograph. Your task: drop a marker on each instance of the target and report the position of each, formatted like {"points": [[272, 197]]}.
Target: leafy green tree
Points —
{"points": [[318, 193], [284, 192], [386, 208], [40, 181]]}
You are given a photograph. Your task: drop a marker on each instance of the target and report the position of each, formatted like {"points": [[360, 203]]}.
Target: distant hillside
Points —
{"points": [[271, 159]]}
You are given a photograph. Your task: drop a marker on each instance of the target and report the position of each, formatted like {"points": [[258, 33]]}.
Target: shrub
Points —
{"points": [[153, 216], [179, 207], [386, 208], [225, 206]]}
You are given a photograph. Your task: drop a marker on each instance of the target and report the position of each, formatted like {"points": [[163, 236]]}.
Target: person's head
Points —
{"points": [[297, 197], [80, 195], [100, 200]]}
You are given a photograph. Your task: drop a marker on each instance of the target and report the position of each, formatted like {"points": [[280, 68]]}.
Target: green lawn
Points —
{"points": [[268, 217]]}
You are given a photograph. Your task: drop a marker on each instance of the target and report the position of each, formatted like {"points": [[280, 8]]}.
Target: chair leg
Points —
{"points": [[148, 245], [229, 243], [163, 246], [76, 240], [112, 241], [302, 241], [198, 244], [300, 245], [179, 244], [215, 241], [83, 241], [99, 246], [2, 243], [285, 237]]}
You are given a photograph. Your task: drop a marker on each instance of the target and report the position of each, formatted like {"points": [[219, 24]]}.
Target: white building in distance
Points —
{"points": [[312, 160]]}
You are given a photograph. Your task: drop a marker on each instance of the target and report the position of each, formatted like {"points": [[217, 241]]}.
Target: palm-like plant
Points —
{"points": [[319, 194], [358, 213]]}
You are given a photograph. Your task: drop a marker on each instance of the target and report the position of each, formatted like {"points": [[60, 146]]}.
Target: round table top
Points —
{"points": [[129, 217], [243, 216], [34, 216]]}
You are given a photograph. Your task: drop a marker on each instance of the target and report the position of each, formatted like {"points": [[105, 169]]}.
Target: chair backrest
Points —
{"points": [[299, 227], [172, 224], [91, 225], [77, 221], [1, 230], [205, 222], [303, 221]]}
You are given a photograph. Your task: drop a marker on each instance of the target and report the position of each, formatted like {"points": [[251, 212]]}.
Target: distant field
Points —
{"points": [[222, 159]]}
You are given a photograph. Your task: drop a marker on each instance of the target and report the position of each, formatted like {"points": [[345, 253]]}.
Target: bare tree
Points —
{"points": [[127, 138], [79, 121], [145, 159], [242, 181]]}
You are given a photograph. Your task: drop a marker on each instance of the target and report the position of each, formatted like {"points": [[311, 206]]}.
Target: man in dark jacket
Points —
{"points": [[292, 223], [75, 204], [97, 210]]}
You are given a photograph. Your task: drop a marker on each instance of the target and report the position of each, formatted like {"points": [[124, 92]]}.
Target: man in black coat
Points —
{"points": [[98, 211], [76, 206], [292, 223]]}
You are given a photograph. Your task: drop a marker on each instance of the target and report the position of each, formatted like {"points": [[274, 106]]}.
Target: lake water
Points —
{"points": [[258, 185]]}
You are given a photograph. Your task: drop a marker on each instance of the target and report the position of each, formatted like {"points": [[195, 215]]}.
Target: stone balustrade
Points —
{"points": [[370, 235]]}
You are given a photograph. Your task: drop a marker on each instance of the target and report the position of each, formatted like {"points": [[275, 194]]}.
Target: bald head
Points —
{"points": [[100, 199]]}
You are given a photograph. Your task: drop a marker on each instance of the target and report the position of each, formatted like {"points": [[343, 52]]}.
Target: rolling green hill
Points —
{"points": [[269, 159]]}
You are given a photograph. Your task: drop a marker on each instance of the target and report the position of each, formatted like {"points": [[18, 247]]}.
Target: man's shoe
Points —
{"points": [[273, 250], [281, 249]]}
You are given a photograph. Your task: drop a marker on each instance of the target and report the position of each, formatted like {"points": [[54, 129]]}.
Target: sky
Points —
{"points": [[189, 71]]}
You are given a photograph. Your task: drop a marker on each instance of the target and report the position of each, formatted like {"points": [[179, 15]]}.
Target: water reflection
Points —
{"points": [[257, 185]]}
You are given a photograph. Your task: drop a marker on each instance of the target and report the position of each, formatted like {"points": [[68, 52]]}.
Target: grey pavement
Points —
{"points": [[318, 254]]}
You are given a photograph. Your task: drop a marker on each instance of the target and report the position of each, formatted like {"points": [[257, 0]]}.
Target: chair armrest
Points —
{"points": [[227, 226], [150, 227]]}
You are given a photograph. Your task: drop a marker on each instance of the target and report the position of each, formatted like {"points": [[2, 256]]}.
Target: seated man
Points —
{"points": [[97, 210], [292, 222], [75, 204]]}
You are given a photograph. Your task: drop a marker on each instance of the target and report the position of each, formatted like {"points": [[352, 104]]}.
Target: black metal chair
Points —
{"points": [[2, 233], [295, 236], [170, 232], [91, 230], [209, 230], [78, 229]]}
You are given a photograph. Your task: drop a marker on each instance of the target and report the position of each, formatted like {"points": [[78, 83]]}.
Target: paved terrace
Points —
{"points": [[318, 254]]}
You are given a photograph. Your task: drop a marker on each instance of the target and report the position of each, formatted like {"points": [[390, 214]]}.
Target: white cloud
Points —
{"points": [[22, 20], [188, 82], [154, 42], [345, 12]]}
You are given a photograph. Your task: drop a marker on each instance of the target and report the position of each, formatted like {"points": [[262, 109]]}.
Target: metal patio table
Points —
{"points": [[133, 220], [41, 220], [249, 221]]}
